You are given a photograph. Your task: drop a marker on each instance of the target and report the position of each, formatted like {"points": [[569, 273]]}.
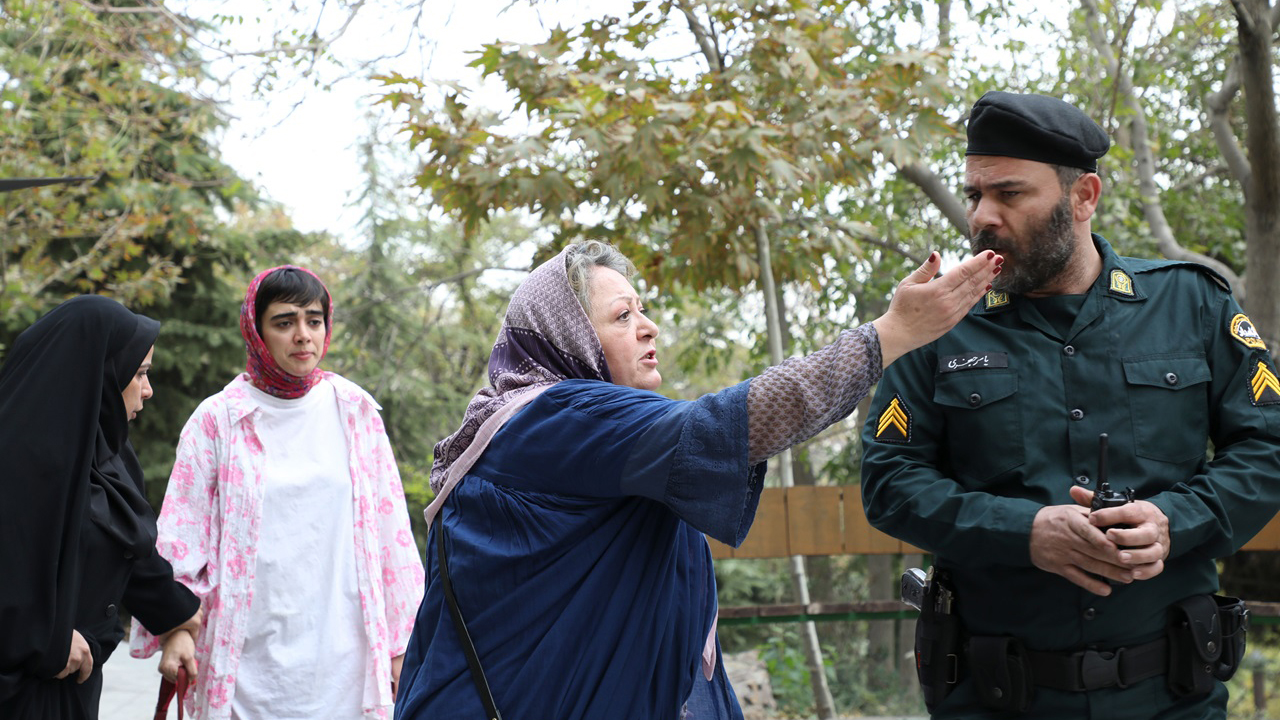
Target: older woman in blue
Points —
{"points": [[574, 499]]}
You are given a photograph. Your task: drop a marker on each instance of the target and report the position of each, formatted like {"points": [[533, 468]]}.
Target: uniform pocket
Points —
{"points": [[984, 422], [1168, 404]]}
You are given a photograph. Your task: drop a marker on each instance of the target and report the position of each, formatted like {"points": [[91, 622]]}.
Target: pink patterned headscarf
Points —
{"points": [[264, 372]]}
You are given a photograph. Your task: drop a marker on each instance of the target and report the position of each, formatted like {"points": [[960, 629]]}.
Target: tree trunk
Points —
{"points": [[1144, 160], [881, 658], [1262, 142], [823, 703]]}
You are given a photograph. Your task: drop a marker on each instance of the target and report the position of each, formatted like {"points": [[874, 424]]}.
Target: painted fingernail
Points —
{"points": [[933, 256], [998, 269], [988, 287]]}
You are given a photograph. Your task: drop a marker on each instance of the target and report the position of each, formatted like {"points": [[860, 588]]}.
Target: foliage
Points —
{"points": [[1257, 678], [82, 96], [677, 163], [88, 91], [414, 323], [1177, 55], [788, 672]]}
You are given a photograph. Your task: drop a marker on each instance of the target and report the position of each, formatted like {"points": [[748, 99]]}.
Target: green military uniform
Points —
{"points": [[971, 435]]}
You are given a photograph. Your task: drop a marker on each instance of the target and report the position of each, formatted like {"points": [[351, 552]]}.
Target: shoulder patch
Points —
{"points": [[995, 299], [894, 424], [1242, 329], [1264, 387], [1121, 283]]}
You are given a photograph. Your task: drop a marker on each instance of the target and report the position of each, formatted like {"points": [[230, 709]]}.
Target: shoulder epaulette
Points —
{"points": [[1144, 265]]}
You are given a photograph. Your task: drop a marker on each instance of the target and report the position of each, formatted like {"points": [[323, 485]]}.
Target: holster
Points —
{"points": [[938, 648], [1235, 629], [1207, 635], [1001, 672]]}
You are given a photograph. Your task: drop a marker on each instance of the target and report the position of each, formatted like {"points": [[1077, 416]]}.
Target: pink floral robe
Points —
{"points": [[209, 532]]}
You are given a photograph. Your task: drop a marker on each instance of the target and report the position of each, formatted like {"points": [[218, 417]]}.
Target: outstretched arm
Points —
{"points": [[795, 400]]}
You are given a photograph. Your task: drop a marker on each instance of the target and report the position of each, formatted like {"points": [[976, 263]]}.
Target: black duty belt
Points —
{"points": [[1096, 669]]}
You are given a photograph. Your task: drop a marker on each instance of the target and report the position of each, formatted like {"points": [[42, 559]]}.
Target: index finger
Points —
{"points": [[86, 668], [972, 276], [1131, 514]]}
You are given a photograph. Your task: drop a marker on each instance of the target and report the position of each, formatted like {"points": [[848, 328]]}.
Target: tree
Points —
{"points": [[100, 90], [413, 323]]}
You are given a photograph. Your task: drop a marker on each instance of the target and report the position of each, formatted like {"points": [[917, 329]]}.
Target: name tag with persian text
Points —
{"points": [[972, 361]]}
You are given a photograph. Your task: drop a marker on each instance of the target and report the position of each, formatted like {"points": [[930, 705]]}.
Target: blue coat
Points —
{"points": [[576, 552]]}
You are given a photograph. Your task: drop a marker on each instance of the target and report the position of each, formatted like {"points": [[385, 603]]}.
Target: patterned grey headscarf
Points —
{"points": [[546, 337]]}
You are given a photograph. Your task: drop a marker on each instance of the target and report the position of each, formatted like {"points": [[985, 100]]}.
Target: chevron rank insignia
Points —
{"points": [[1264, 388], [996, 299], [1243, 330], [894, 425], [1121, 283]]}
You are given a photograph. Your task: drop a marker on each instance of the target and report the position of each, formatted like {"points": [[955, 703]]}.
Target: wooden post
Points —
{"points": [[1259, 689]]}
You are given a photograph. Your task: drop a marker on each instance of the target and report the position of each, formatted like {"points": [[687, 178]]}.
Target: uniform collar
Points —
{"points": [[1116, 281]]}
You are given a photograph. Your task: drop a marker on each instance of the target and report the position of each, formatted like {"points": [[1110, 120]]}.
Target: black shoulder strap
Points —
{"points": [[468, 648]]}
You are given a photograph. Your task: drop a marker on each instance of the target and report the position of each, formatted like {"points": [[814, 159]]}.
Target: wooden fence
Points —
{"points": [[829, 521]]}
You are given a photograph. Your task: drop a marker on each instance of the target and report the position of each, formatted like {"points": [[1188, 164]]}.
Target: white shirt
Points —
{"points": [[305, 647]]}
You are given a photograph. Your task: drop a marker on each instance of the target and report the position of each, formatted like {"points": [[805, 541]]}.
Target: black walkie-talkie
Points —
{"points": [[1104, 497]]}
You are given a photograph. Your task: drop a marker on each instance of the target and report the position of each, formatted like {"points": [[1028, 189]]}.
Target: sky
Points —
{"points": [[299, 143]]}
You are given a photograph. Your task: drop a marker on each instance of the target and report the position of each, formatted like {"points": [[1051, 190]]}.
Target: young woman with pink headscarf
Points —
{"points": [[286, 516]]}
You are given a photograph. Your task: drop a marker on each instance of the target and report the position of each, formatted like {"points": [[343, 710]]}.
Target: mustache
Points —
{"points": [[983, 240]]}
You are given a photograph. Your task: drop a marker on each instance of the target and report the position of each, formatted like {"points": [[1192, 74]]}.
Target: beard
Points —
{"points": [[1032, 262]]}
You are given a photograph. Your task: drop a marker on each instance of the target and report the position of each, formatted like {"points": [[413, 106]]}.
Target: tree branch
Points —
{"points": [[927, 180], [703, 36], [862, 236], [944, 23], [1219, 104], [938, 192], [1195, 180], [1148, 191], [124, 10]]}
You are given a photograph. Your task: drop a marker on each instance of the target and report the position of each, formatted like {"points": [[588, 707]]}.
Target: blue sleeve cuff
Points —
{"points": [[694, 461]]}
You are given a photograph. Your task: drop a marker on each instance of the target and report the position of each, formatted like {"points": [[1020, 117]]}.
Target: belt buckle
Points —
{"points": [[1100, 669]]}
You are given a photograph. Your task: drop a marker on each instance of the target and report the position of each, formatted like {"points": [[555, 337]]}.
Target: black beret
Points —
{"points": [[1035, 127]]}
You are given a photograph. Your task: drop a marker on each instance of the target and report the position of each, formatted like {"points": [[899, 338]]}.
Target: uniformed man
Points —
{"points": [[983, 447]]}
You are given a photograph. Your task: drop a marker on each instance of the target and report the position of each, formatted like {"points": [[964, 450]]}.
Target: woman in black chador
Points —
{"points": [[77, 537]]}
